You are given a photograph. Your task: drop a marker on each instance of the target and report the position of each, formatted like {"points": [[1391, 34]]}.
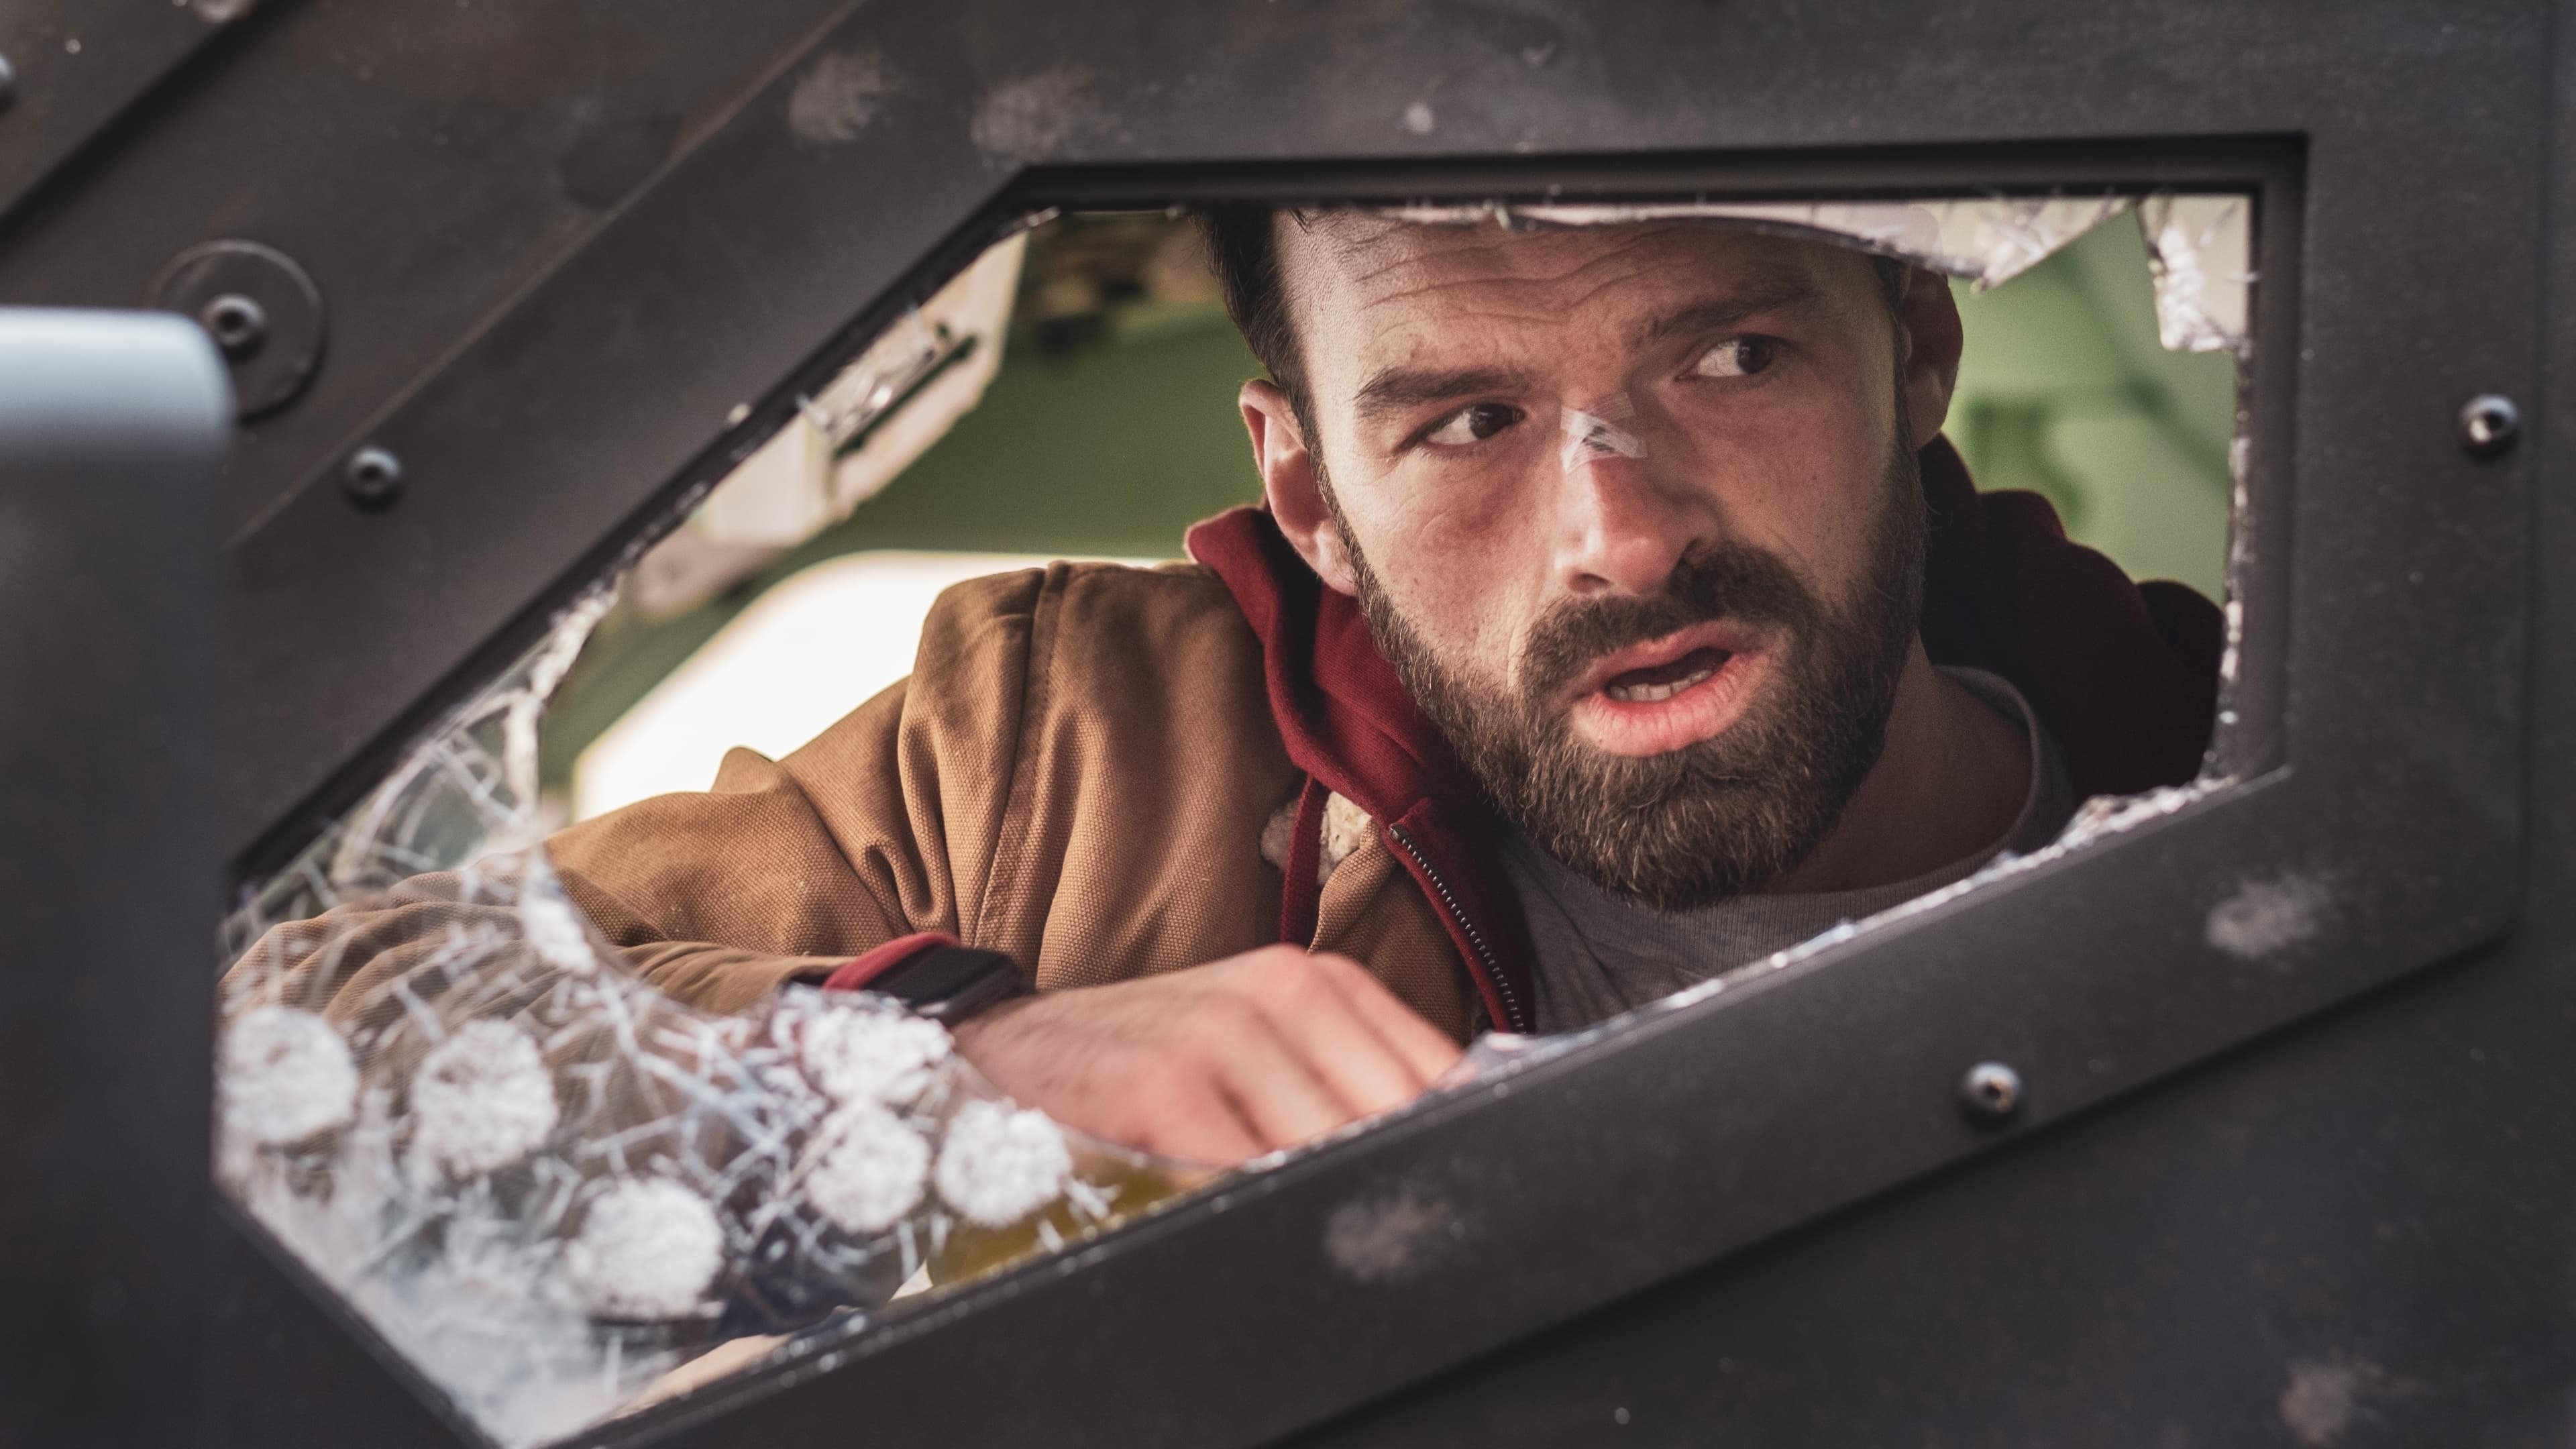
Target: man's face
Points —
{"points": [[1632, 511]]}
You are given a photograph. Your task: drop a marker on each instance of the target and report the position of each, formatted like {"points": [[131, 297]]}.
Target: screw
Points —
{"points": [[373, 478], [1991, 1091], [2489, 424], [8, 83], [238, 325]]}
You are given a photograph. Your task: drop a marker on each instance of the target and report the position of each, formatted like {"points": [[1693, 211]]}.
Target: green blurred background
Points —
{"points": [[1110, 428]]}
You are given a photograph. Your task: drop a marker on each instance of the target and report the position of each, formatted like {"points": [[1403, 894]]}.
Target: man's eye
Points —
{"points": [[1737, 357], [1472, 425]]}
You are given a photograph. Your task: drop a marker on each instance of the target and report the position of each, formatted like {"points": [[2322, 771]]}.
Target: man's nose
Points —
{"points": [[1623, 524]]}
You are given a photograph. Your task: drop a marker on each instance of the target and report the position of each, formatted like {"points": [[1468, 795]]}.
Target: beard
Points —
{"points": [[1721, 816]]}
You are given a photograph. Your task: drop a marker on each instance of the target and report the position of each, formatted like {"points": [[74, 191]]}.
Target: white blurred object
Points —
{"points": [[287, 1075], [797, 658], [2200, 249], [2203, 242], [1001, 1164], [649, 1249], [846, 443]]}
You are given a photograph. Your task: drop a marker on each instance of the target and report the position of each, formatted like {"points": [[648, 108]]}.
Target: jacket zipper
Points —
{"points": [[1467, 928]]}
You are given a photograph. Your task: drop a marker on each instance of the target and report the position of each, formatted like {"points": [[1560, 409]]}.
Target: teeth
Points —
{"points": [[1650, 693]]}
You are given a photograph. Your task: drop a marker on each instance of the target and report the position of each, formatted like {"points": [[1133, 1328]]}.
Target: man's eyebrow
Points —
{"points": [[1395, 390], [1402, 389], [1766, 292]]}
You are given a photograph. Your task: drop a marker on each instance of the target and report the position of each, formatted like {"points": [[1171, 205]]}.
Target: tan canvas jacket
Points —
{"points": [[1078, 774], [1082, 769]]}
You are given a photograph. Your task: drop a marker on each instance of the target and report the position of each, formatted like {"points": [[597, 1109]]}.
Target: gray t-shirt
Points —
{"points": [[1600, 954]]}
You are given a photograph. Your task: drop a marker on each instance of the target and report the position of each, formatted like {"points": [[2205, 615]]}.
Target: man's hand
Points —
{"points": [[1215, 1064]]}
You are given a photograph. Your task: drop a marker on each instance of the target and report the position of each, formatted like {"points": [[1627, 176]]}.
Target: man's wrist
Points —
{"points": [[935, 975]]}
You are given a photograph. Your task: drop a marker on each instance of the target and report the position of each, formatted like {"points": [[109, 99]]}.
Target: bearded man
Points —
{"points": [[1616, 617]]}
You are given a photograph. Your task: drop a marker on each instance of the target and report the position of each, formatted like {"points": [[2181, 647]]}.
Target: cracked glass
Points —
{"points": [[562, 1193]]}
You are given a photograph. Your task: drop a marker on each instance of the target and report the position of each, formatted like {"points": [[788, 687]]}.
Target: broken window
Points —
{"points": [[562, 1192]]}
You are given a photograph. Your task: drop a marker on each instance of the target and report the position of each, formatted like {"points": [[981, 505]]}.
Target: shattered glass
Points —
{"points": [[845, 443], [561, 1194], [2199, 257], [545, 1183], [2199, 245], [2200, 260], [2198, 248]]}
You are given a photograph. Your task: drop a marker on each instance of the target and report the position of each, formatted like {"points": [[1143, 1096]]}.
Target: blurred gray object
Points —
{"points": [[113, 431]]}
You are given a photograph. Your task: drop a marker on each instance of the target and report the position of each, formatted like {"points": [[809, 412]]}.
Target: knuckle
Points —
{"points": [[1162, 1077], [1225, 1017], [1296, 983], [1269, 961], [1337, 967]]}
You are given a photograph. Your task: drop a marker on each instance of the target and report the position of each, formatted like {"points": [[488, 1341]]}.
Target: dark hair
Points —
{"points": [[1243, 251]]}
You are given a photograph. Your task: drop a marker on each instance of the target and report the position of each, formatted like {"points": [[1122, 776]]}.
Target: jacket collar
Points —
{"points": [[1349, 724], [2125, 675]]}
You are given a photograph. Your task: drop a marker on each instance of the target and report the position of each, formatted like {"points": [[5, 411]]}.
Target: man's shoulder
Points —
{"points": [[1088, 634], [1181, 592]]}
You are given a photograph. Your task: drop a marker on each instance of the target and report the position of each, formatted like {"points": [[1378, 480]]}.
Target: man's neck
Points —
{"points": [[1948, 785]]}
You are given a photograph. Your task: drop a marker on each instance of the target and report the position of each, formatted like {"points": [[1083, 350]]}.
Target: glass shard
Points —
{"points": [[2199, 249], [1988, 240], [544, 1182]]}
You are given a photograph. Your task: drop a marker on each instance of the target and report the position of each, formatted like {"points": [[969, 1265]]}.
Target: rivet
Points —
{"points": [[2489, 425], [261, 309], [238, 324], [1991, 1091], [373, 478]]}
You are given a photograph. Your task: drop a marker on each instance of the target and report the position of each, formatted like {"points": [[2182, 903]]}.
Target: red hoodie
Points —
{"points": [[2124, 674]]}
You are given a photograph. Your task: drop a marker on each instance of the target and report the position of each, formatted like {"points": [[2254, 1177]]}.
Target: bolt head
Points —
{"points": [[8, 83], [373, 478], [2489, 425], [238, 324], [1991, 1091]]}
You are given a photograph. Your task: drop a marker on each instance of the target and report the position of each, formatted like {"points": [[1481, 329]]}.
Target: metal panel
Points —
{"points": [[2386, 602], [426, 166], [2360, 1234], [290, 1365], [112, 433], [72, 66]]}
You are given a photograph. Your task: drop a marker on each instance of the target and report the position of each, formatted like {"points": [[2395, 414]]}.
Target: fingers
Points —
{"points": [[1345, 1030], [1425, 1050], [1283, 1091], [1317, 1003], [1201, 1124], [1217, 1064], [1115, 1062]]}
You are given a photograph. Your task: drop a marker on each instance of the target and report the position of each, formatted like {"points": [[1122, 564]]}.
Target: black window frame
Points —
{"points": [[2386, 612]]}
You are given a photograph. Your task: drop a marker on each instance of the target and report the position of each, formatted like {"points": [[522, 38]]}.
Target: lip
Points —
{"points": [[1704, 710]]}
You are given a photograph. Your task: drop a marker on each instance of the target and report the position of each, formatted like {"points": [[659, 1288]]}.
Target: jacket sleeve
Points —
{"points": [[882, 826]]}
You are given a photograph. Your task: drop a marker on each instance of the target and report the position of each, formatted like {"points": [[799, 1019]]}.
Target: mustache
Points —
{"points": [[1727, 581]]}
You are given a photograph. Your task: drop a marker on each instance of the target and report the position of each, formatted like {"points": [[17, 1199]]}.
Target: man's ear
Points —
{"points": [[1929, 318], [1289, 481]]}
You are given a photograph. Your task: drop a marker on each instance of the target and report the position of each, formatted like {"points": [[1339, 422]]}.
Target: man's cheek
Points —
{"points": [[1816, 508], [1463, 617], [1451, 513]]}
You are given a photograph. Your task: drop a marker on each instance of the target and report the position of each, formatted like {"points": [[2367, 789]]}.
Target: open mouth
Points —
{"points": [[1664, 694], [1663, 681]]}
